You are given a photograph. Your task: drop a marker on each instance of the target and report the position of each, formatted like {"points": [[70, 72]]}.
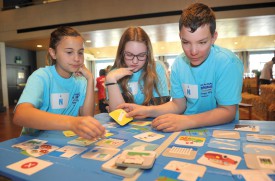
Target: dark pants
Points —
{"points": [[264, 81], [102, 106]]}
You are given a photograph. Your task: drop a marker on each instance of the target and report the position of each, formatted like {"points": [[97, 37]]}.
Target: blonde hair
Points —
{"points": [[149, 75]]}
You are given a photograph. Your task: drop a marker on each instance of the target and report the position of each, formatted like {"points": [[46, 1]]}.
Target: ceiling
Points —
{"points": [[239, 34]]}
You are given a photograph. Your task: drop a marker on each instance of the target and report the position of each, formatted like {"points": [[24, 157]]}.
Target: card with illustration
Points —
{"points": [[220, 160], [177, 170], [224, 144], [197, 132], [257, 161], [30, 144], [69, 133], [119, 116], [256, 148], [68, 151], [244, 127], [177, 151], [261, 138], [134, 129], [141, 123], [136, 159], [141, 146], [149, 136], [100, 153], [226, 134], [110, 166], [29, 165], [39, 150], [110, 133], [252, 175], [190, 141], [110, 125], [81, 141], [111, 142]]}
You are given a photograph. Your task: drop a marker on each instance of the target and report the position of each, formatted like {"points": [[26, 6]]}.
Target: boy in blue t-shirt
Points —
{"points": [[206, 81]]}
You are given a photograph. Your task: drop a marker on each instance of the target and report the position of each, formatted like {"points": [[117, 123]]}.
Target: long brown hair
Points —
{"points": [[149, 74]]}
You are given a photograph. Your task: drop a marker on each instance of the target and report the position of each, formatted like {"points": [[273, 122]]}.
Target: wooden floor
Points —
{"points": [[8, 130]]}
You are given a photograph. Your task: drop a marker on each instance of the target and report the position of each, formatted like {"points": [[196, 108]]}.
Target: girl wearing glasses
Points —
{"points": [[135, 76]]}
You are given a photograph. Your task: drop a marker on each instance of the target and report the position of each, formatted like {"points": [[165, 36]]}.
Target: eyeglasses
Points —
{"points": [[141, 57]]}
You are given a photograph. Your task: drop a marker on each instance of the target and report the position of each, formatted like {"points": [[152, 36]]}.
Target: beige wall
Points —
{"points": [[69, 11]]}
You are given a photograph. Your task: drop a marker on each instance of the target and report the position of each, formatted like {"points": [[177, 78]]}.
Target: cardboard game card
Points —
{"points": [[100, 153], [68, 151], [256, 161], [224, 144], [29, 144], [197, 132], [119, 116], [220, 160], [39, 150], [226, 134], [177, 151], [81, 141], [141, 123], [148, 136], [252, 175], [244, 127], [29, 165], [110, 133], [110, 166], [261, 138], [264, 149], [141, 146], [136, 159], [69, 133], [111, 142], [190, 141], [176, 170], [134, 129]]}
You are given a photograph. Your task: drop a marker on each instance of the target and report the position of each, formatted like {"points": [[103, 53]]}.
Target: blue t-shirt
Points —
{"points": [[217, 81], [48, 91], [136, 87]]}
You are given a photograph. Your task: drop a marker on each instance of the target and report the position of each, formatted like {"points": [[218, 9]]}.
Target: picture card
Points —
{"points": [[119, 116], [39, 150], [244, 127], [68, 151], [177, 170], [197, 132], [141, 146], [257, 161], [29, 144], [190, 141], [81, 141], [261, 138], [177, 151], [141, 123], [136, 159], [220, 160], [110, 166], [29, 165], [257, 148], [111, 142], [100, 153], [226, 134], [252, 175], [149, 136], [224, 144]]}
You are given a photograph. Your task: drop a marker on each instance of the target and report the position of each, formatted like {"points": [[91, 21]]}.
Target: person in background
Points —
{"points": [[101, 91], [206, 81], [108, 68], [266, 73], [135, 76], [60, 96]]}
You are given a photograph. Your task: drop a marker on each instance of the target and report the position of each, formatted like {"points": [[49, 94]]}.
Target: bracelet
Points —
{"points": [[113, 83]]}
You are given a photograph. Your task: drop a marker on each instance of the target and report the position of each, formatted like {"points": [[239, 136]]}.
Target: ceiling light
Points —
{"points": [[88, 41], [39, 46]]}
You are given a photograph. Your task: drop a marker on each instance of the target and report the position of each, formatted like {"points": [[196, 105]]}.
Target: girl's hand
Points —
{"points": [[83, 71], [117, 74]]}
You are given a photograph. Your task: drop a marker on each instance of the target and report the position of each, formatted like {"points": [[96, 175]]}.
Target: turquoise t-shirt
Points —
{"points": [[217, 81], [48, 91], [136, 88]]}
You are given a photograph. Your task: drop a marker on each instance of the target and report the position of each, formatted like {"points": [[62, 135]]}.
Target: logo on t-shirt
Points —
{"points": [[59, 100], [75, 98], [206, 89], [133, 87], [190, 91]]}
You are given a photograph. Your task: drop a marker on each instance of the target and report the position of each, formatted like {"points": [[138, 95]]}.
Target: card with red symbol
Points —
{"points": [[190, 141]]}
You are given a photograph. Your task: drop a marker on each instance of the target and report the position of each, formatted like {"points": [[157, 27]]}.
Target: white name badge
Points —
{"points": [[59, 101], [190, 91], [133, 87]]}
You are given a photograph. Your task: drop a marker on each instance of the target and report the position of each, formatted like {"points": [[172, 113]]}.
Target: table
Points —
{"points": [[78, 168]]}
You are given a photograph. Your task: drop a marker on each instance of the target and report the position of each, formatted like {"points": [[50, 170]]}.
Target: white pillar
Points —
{"points": [[4, 75]]}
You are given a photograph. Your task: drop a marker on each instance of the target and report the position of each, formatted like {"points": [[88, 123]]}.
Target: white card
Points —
{"points": [[148, 136], [29, 165]]}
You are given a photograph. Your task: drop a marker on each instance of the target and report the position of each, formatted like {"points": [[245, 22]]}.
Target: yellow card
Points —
{"points": [[69, 133], [119, 116]]}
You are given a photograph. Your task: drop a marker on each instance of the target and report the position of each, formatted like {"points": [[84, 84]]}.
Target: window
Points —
{"points": [[257, 61], [102, 64]]}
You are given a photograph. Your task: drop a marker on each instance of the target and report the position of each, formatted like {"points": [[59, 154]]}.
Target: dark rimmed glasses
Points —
{"points": [[141, 56]]}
